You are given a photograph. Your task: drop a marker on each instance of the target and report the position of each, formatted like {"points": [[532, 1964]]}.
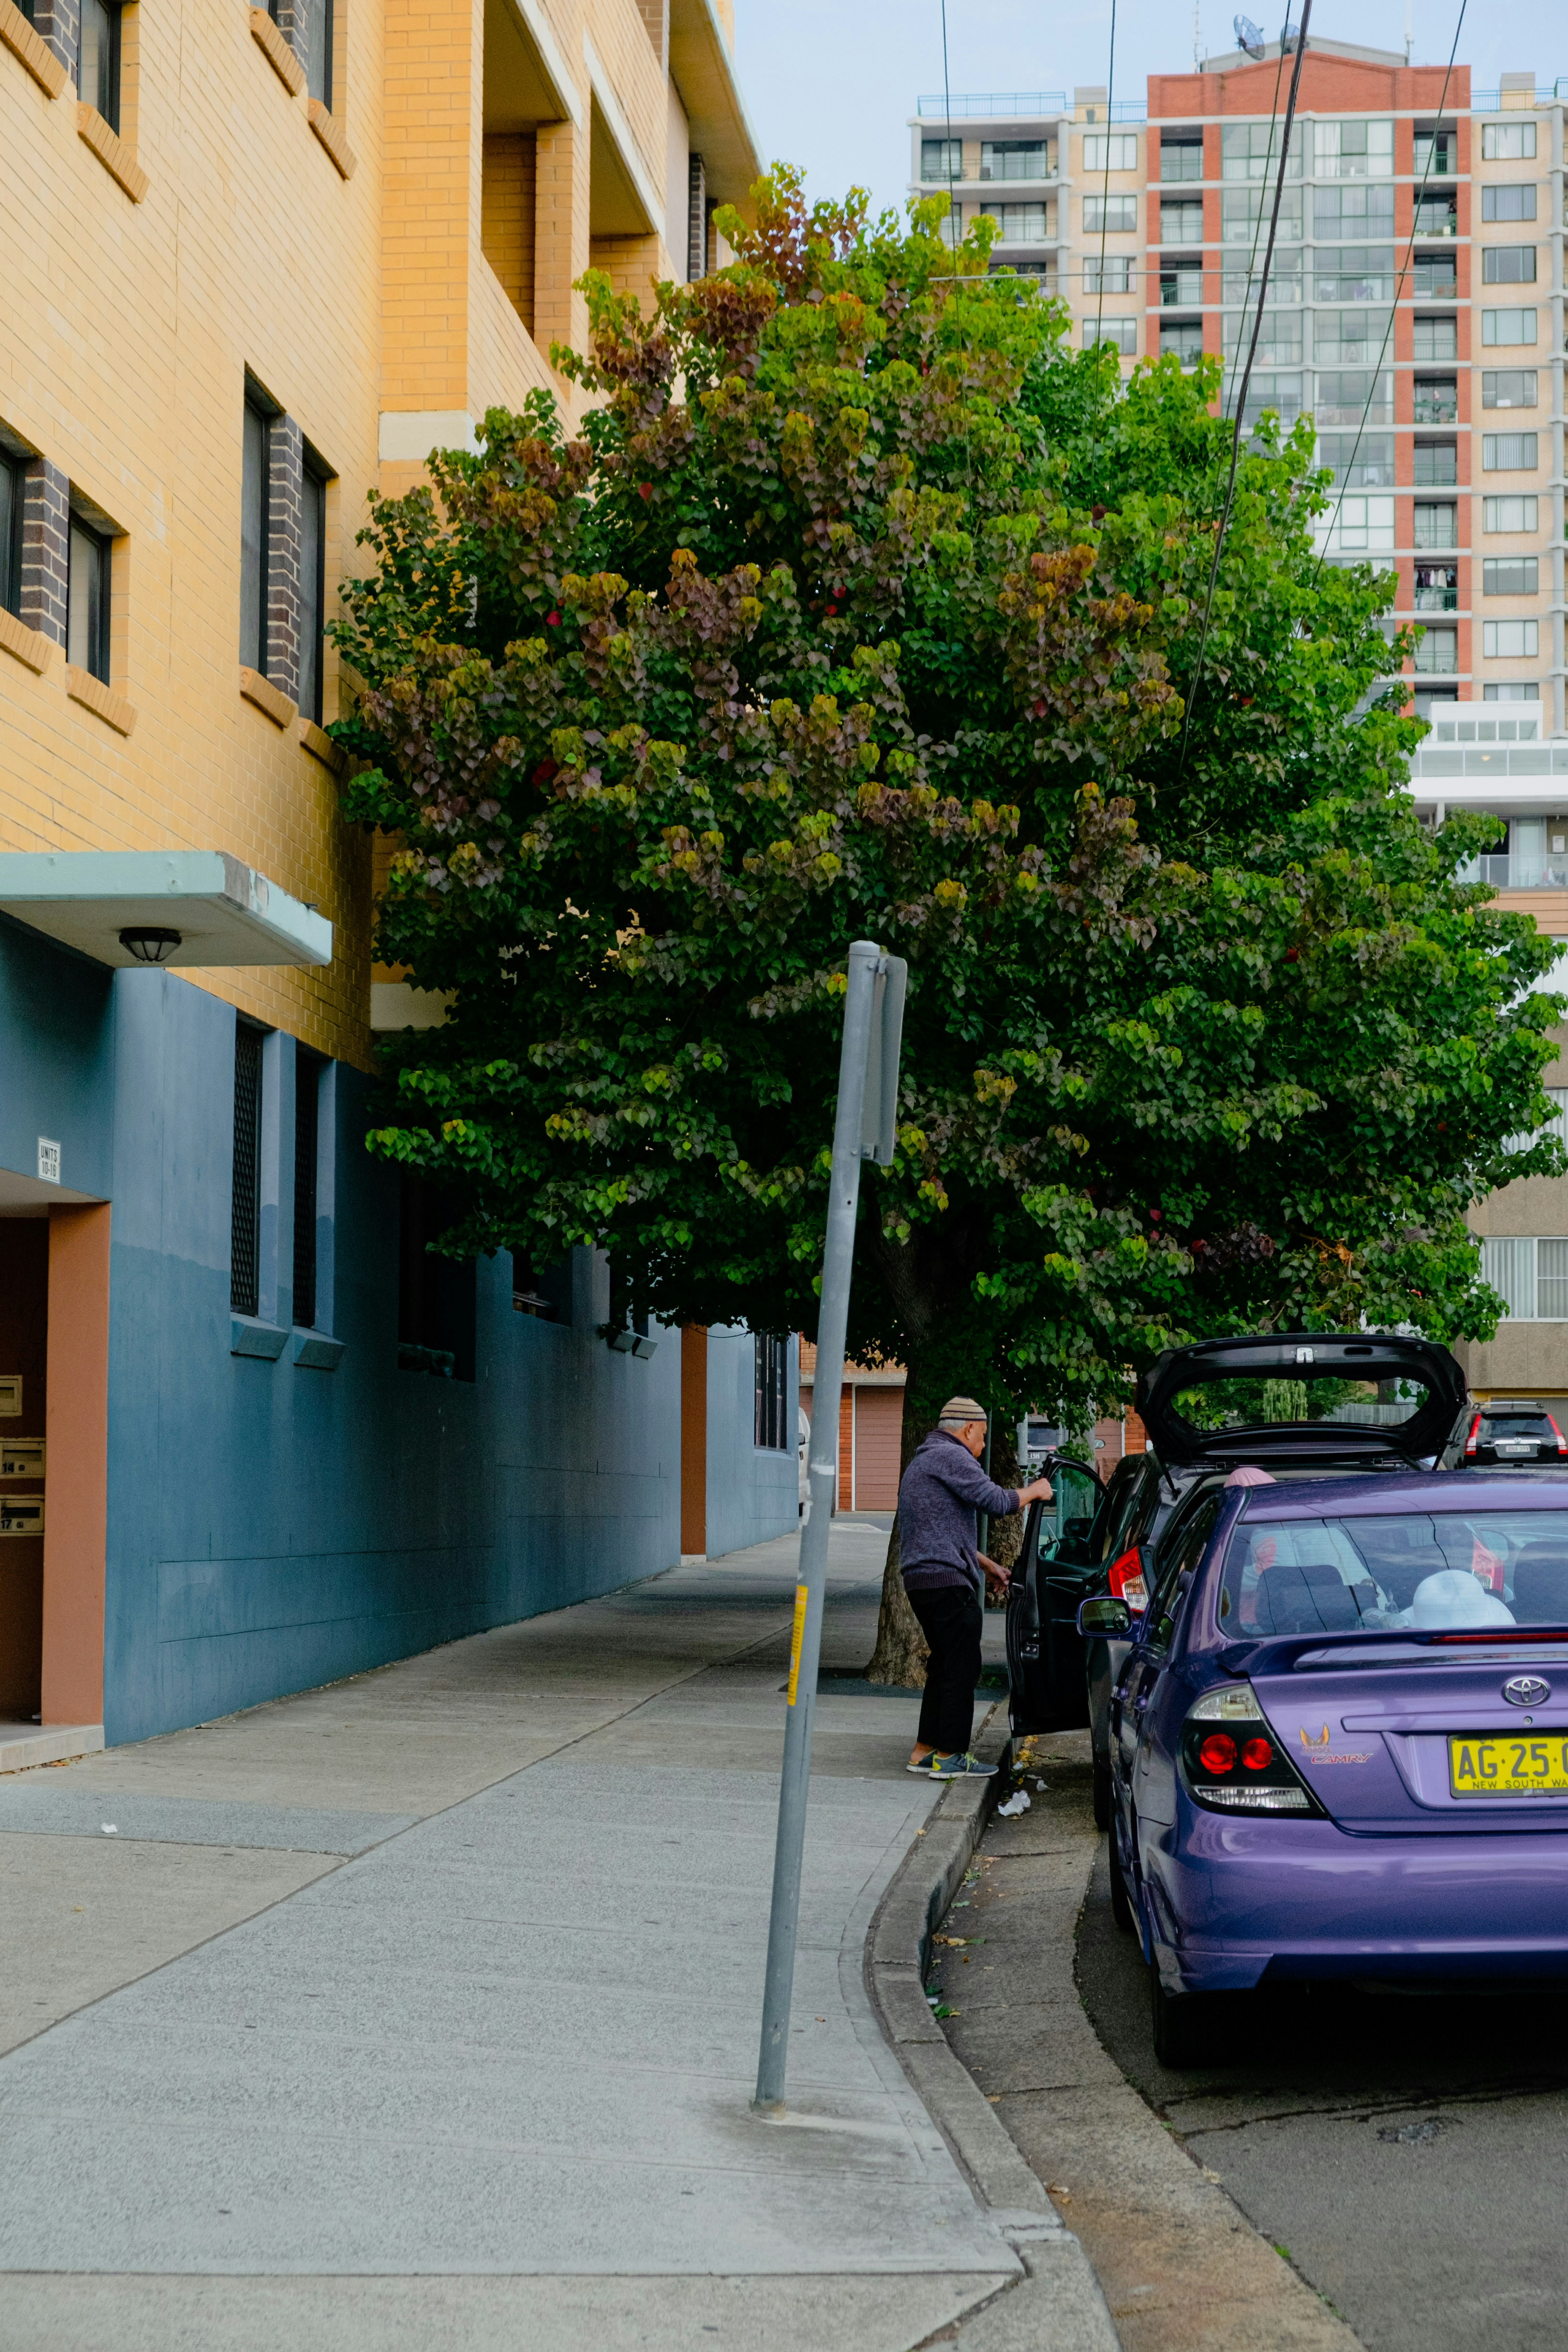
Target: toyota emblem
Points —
{"points": [[1526, 1690]]}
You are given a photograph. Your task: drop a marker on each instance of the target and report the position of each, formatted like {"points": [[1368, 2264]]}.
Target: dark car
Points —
{"points": [[1298, 1404], [1512, 1430]]}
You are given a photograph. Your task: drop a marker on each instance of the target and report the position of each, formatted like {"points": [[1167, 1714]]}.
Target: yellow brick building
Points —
{"points": [[259, 261]]}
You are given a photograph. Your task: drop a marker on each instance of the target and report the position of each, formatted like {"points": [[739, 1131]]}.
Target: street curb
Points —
{"points": [[1058, 2306]]}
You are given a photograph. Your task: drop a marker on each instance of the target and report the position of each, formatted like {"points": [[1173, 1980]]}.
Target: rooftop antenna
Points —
{"points": [[1248, 36], [1409, 29], [1197, 37]]}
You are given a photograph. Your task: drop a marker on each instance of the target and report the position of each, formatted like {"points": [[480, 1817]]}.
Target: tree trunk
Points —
{"points": [[1007, 1538]]}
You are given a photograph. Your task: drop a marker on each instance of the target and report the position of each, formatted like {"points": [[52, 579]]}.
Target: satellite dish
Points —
{"points": [[1249, 36]]}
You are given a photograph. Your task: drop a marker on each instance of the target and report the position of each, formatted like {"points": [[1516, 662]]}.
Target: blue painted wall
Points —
{"points": [[751, 1491], [271, 1528]]}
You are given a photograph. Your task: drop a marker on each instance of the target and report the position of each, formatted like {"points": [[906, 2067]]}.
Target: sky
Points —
{"points": [[830, 84]]}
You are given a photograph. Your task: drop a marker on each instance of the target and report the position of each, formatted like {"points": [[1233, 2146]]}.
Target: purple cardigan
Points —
{"points": [[939, 1495]]}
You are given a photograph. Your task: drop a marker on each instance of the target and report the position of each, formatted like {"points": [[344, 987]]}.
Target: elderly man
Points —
{"points": [[945, 1574]]}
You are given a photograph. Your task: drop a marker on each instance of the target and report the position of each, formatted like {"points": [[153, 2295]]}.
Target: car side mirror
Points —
{"points": [[1104, 1618]]}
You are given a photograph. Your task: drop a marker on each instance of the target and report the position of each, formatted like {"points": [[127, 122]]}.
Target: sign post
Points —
{"points": [[864, 1128]]}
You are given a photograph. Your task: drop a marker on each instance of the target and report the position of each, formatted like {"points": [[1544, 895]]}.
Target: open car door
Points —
{"points": [[1058, 1567]]}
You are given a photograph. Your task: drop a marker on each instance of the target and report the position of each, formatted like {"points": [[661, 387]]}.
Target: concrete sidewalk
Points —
{"points": [[424, 2009]]}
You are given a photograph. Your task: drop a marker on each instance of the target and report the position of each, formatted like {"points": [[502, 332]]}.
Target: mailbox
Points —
{"points": [[21, 1515], [21, 1457], [10, 1395]]}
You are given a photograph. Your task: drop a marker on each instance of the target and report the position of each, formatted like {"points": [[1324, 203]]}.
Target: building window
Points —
{"points": [[1436, 400], [307, 1167], [1438, 655], [1116, 215], [1530, 1276], [1435, 152], [1183, 339], [1508, 265], [1014, 158], [1510, 640], [1509, 453], [98, 58], [1520, 689], [1116, 152], [1436, 339], [1020, 224], [1244, 214], [1436, 216], [1354, 151], [317, 59], [1508, 388], [1250, 151], [1510, 514], [1353, 337], [312, 584], [772, 1392], [1365, 526], [1181, 159], [1437, 525], [1506, 203], [87, 600], [1511, 575], [1112, 276], [542, 1291], [1358, 462], [12, 489], [1122, 334], [1182, 224], [255, 483], [1436, 465], [245, 1221], [1507, 142], [1362, 213], [1361, 273], [941, 159], [1508, 327]]}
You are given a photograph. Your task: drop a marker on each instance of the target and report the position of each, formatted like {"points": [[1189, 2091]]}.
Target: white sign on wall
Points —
{"points": [[48, 1161]]}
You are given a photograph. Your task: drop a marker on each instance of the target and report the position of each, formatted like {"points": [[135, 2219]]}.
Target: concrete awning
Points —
{"points": [[225, 913], [704, 74]]}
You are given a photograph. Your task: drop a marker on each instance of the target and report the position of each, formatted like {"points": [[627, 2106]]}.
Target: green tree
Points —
{"points": [[862, 607]]}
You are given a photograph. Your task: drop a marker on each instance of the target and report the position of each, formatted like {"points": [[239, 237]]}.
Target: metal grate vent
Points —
{"points": [[771, 1385], [244, 1281]]}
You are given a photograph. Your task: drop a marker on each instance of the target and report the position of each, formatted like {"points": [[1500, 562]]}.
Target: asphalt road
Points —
{"points": [[1406, 2153]]}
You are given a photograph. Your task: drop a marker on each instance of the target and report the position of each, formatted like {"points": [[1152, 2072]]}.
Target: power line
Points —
{"points": [[1404, 275], [1105, 183], [1246, 379]]}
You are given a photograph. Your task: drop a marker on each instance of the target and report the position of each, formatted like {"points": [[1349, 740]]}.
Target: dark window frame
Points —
{"points": [[255, 504], [770, 1372], [13, 498], [307, 1074], [87, 637], [245, 1213], [105, 97], [314, 476]]}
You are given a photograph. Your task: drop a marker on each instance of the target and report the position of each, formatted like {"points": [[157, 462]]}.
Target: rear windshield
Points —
{"points": [[1518, 1424], [1249, 1400], [1430, 1571]]}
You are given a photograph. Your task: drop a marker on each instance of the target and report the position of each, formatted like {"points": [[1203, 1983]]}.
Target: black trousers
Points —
{"points": [[952, 1618]]}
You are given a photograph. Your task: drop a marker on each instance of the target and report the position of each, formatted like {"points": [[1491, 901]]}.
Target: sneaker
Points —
{"points": [[960, 1768], [923, 1763]]}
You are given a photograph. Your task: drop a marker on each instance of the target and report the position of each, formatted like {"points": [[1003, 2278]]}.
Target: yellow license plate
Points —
{"points": [[1508, 1768]]}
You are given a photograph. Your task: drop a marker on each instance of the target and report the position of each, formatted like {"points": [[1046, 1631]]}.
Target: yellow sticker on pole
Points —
{"points": [[795, 1639]]}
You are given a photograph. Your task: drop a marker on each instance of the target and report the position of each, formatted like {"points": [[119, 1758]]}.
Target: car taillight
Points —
{"points": [[1471, 1445], [1238, 1769], [1557, 1434], [1127, 1581]]}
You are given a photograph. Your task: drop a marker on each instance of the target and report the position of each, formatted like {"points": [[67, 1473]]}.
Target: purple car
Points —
{"points": [[1339, 1741]]}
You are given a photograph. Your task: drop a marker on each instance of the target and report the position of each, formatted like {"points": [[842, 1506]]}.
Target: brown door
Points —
{"points": [[24, 1358]]}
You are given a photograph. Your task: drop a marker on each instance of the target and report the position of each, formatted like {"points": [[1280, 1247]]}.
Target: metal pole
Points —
{"points": [[844, 1192]]}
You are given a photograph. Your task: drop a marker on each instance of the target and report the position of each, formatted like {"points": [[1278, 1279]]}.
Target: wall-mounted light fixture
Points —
{"points": [[150, 945]]}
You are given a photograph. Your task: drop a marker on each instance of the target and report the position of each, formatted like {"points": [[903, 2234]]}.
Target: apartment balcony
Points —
{"points": [[1437, 599], [1181, 290], [1436, 407], [1436, 220], [1435, 280], [991, 106], [1436, 158], [1438, 655], [1518, 870]]}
